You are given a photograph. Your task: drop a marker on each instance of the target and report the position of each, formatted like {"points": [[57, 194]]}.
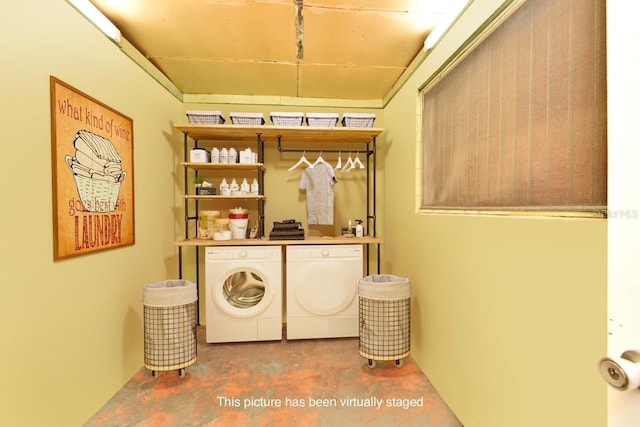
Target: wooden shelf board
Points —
{"points": [[220, 197], [223, 166], [265, 241], [271, 133]]}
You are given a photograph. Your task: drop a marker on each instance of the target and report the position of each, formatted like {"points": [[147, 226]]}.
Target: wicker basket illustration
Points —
{"points": [[96, 195]]}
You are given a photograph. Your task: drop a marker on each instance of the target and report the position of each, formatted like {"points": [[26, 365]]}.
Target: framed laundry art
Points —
{"points": [[92, 166]]}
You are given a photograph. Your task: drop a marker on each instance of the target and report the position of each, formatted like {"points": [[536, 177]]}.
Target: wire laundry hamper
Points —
{"points": [[170, 326], [385, 318]]}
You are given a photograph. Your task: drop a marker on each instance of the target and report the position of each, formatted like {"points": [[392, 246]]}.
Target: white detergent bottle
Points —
{"points": [[234, 187], [244, 187], [224, 187], [255, 188], [359, 228]]}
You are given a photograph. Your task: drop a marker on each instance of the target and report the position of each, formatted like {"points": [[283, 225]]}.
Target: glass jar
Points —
{"points": [[206, 224], [221, 229]]}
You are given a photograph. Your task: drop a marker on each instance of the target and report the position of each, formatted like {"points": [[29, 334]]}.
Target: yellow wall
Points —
{"points": [[72, 330], [509, 314]]}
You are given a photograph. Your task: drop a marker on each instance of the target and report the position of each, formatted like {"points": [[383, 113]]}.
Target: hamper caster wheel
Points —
{"points": [[181, 372], [154, 374], [371, 363], [399, 363]]}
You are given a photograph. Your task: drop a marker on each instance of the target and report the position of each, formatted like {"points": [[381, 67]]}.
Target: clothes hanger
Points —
{"points": [[319, 160], [339, 164], [357, 161], [303, 160], [348, 164]]}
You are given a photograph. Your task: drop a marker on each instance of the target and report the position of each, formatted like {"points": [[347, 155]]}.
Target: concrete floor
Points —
{"points": [[283, 383]]}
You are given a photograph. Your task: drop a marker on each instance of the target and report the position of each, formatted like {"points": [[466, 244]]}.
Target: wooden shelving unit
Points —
{"points": [[316, 138]]}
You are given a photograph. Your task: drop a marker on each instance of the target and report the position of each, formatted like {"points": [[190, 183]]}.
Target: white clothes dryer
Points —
{"points": [[322, 285], [244, 293]]}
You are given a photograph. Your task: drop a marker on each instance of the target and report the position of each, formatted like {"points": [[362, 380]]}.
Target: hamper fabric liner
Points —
{"points": [[384, 308], [384, 286], [169, 293], [169, 325]]}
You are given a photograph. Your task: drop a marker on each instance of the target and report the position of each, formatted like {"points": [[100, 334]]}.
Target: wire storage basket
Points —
{"points": [[170, 326], [247, 119], [384, 307], [322, 119], [205, 117], [358, 120], [287, 119]]}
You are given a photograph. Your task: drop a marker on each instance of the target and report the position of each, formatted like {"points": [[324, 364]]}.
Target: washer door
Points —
{"points": [[325, 288], [245, 292]]}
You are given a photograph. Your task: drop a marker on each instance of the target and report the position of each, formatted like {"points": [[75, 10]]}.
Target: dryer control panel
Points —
{"points": [[311, 252], [266, 253]]}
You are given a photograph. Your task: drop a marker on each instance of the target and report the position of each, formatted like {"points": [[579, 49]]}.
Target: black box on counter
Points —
{"points": [[206, 191]]}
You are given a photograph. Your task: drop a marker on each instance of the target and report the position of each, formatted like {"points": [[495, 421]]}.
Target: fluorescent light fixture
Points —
{"points": [[454, 10], [97, 18]]}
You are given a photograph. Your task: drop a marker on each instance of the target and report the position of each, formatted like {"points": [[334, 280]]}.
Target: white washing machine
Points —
{"points": [[244, 293], [322, 288]]}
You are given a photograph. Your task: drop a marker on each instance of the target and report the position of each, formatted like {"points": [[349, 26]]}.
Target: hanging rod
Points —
{"points": [[306, 150]]}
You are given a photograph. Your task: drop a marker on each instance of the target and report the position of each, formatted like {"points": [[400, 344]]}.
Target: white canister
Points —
{"points": [[215, 155], [199, 155], [238, 224], [246, 156], [222, 235], [224, 155], [233, 156]]}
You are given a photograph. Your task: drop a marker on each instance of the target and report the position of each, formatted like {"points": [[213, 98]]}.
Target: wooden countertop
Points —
{"points": [[265, 241]]}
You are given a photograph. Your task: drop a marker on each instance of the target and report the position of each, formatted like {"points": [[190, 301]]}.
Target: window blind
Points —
{"points": [[520, 122]]}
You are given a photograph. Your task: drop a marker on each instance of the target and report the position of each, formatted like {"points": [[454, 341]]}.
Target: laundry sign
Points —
{"points": [[92, 154]]}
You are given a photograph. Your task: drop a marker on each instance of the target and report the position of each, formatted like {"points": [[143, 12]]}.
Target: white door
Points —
{"points": [[623, 35]]}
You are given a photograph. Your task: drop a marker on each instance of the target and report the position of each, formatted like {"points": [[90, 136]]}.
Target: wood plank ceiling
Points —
{"points": [[340, 49]]}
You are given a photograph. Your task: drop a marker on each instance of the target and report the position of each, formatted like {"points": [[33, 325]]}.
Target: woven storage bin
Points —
{"points": [[202, 117], [287, 119], [169, 325], [358, 120], [385, 317], [322, 119], [247, 119]]}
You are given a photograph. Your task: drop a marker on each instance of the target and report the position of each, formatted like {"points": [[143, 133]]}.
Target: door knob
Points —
{"points": [[622, 373]]}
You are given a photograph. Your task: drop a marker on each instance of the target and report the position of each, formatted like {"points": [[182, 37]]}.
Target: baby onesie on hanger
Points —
{"points": [[318, 183]]}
